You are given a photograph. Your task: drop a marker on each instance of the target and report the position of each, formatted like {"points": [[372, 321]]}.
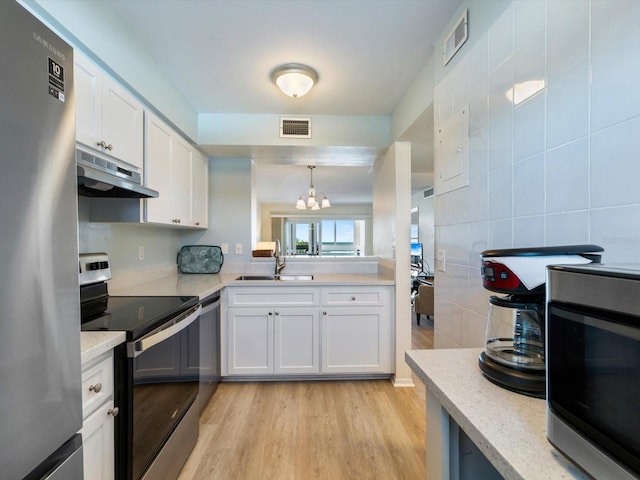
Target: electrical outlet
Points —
{"points": [[238, 249], [140, 253], [225, 248], [441, 259]]}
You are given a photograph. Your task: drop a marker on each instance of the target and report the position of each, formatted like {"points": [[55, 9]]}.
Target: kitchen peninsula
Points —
{"points": [[303, 328], [477, 430]]}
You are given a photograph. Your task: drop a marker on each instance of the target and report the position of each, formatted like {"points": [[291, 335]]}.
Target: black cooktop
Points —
{"points": [[137, 316]]}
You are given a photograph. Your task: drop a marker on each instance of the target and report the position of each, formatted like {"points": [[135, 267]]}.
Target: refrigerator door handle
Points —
{"points": [[165, 331]]}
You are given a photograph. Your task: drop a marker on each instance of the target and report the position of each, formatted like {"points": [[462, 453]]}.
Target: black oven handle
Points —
{"points": [[167, 330]]}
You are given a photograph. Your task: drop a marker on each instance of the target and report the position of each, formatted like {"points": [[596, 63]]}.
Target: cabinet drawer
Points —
{"points": [[280, 296], [97, 383], [355, 296]]}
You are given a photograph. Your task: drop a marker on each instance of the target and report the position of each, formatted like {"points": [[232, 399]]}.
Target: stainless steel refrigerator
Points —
{"points": [[40, 383]]}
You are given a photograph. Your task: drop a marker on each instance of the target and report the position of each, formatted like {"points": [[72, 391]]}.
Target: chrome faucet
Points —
{"points": [[277, 253]]}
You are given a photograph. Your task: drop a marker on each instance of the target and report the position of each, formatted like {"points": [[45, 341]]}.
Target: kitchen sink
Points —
{"points": [[284, 278], [294, 277], [256, 277]]}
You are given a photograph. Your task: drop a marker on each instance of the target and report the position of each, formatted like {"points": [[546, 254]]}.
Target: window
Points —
{"points": [[328, 237], [338, 238]]}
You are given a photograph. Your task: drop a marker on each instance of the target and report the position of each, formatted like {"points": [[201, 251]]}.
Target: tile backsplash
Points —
{"points": [[554, 126]]}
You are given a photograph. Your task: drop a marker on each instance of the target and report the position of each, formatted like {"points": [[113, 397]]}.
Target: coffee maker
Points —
{"points": [[514, 354]]}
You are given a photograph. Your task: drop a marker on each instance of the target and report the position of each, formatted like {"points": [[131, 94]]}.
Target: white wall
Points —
{"points": [[391, 241], [121, 241], [558, 168], [264, 129], [414, 102], [230, 209]]}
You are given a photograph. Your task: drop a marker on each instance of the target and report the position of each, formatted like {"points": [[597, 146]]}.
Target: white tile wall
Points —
{"points": [[500, 141], [529, 186], [567, 177], [568, 107], [528, 127], [501, 39], [617, 229], [562, 166], [614, 82], [567, 36], [615, 165]]}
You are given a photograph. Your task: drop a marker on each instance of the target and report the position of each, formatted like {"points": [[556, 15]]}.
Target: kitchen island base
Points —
{"points": [[478, 430]]}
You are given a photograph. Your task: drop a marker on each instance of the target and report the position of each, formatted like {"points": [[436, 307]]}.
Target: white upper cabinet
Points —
{"points": [[159, 145], [108, 118], [181, 180], [200, 190], [179, 173]]}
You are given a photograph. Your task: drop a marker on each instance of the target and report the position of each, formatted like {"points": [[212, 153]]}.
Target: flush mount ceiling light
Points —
{"points": [[294, 79], [312, 199]]}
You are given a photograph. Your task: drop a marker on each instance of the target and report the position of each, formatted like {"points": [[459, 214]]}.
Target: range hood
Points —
{"points": [[100, 177]]}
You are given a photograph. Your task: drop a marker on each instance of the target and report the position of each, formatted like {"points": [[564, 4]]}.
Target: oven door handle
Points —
{"points": [[169, 329]]}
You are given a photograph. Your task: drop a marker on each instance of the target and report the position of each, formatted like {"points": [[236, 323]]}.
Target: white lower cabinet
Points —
{"points": [[250, 341], [98, 412], [297, 340], [356, 330], [273, 340], [355, 340], [97, 443], [289, 331]]}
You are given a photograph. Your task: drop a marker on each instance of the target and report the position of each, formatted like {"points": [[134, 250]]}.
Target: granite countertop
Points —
{"points": [[207, 284], [507, 427], [181, 285], [94, 344]]}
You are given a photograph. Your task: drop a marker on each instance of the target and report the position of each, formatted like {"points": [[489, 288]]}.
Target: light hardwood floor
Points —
{"points": [[334, 430]]}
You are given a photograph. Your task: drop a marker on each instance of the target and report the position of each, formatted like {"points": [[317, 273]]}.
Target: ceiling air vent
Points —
{"points": [[428, 193], [456, 38], [295, 127]]}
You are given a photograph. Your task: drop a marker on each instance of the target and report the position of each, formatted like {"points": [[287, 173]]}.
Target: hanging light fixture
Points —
{"points": [[294, 79], [312, 199]]}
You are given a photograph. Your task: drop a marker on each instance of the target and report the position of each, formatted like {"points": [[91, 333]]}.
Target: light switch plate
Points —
{"points": [[225, 248], [140, 253], [238, 249]]}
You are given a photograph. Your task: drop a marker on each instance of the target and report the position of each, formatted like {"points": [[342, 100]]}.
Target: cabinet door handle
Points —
{"points": [[197, 224], [109, 147], [353, 299], [95, 388], [113, 411], [324, 313], [270, 313], [277, 313], [102, 144]]}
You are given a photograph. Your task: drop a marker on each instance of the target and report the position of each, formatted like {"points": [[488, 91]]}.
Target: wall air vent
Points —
{"points": [[295, 127], [456, 38], [428, 193]]}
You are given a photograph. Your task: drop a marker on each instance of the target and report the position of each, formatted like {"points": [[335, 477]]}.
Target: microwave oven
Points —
{"points": [[593, 367]]}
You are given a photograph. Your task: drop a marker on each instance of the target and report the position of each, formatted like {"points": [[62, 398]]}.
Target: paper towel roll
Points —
{"points": [[531, 270]]}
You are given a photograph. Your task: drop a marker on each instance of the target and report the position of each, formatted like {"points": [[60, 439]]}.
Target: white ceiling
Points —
{"points": [[220, 55]]}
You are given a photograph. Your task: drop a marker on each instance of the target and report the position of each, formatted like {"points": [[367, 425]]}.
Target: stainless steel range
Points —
{"points": [[156, 372]]}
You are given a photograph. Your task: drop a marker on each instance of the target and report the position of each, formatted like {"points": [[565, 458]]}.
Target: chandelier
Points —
{"points": [[312, 199]]}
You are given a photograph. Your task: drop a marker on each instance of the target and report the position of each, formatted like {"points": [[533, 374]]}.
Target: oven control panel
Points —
{"points": [[93, 268]]}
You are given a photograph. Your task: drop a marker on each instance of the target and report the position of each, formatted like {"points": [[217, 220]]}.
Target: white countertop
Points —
{"points": [[507, 427], [94, 344], [204, 285]]}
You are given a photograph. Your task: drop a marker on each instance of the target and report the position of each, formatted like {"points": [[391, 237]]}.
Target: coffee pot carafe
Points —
{"points": [[514, 354]]}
